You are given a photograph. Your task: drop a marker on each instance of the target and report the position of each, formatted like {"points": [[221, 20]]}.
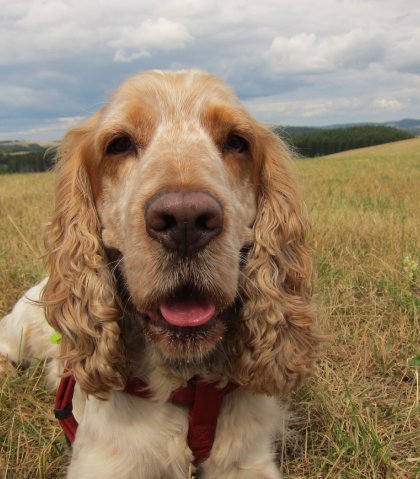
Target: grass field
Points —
{"points": [[359, 416]]}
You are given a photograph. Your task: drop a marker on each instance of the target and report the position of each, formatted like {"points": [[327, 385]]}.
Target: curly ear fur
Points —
{"points": [[79, 297], [276, 344]]}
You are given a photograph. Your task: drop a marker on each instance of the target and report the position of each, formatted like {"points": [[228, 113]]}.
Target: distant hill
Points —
{"points": [[408, 124]]}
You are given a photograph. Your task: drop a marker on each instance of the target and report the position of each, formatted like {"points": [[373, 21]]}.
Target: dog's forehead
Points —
{"points": [[167, 95]]}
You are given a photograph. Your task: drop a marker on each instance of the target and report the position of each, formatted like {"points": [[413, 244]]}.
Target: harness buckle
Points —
{"points": [[64, 412]]}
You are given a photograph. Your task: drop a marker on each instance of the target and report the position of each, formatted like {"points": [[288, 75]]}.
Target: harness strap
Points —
{"points": [[64, 407], [204, 401], [203, 414]]}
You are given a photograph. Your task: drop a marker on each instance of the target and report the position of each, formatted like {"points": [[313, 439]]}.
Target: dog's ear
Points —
{"points": [[276, 343], [79, 297]]}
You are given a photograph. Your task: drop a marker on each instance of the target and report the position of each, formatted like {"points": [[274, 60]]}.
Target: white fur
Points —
{"points": [[127, 437], [144, 439], [25, 335]]}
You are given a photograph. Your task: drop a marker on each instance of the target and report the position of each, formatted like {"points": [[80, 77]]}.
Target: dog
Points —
{"points": [[177, 261]]}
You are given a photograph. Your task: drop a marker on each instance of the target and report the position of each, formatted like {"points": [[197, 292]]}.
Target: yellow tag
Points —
{"points": [[55, 338]]}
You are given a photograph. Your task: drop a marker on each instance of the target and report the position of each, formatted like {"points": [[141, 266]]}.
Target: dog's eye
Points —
{"points": [[236, 144], [120, 145]]}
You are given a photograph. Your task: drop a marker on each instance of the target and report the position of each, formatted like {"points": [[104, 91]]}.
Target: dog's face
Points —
{"points": [[175, 186], [195, 202]]}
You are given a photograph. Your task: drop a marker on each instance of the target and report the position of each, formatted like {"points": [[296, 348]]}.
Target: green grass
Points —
{"points": [[359, 416]]}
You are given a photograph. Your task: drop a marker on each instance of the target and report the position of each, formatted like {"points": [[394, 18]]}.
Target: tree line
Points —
{"points": [[311, 142], [307, 142], [25, 162]]}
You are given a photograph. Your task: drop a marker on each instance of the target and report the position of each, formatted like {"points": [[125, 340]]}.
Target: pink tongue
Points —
{"points": [[187, 312]]}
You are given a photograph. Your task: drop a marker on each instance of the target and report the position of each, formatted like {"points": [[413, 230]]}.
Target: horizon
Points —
{"points": [[271, 125]]}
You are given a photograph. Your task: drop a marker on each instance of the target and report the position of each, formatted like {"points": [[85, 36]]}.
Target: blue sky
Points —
{"points": [[291, 62]]}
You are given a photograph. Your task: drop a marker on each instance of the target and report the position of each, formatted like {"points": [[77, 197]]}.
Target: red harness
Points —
{"points": [[204, 401]]}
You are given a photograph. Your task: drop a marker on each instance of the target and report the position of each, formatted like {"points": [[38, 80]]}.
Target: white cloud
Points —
{"points": [[387, 104], [44, 13], [70, 121], [326, 107], [278, 110], [404, 53], [136, 42], [50, 129], [305, 61], [307, 53], [297, 54]]}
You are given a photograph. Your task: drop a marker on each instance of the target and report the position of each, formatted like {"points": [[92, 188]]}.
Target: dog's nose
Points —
{"points": [[183, 221]]}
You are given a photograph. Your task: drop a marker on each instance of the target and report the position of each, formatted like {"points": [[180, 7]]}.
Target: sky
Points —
{"points": [[291, 62]]}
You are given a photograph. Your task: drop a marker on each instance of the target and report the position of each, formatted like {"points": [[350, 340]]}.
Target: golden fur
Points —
{"points": [[108, 276], [274, 343]]}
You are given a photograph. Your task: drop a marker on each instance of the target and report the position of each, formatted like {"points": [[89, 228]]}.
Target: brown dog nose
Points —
{"points": [[183, 221]]}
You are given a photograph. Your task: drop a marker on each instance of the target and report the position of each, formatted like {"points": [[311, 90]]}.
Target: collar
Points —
{"points": [[204, 401]]}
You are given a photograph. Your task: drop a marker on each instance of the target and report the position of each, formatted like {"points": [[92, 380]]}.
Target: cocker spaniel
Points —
{"points": [[177, 259]]}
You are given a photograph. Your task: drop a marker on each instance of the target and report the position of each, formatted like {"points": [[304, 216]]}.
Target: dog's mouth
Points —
{"points": [[186, 324], [185, 309]]}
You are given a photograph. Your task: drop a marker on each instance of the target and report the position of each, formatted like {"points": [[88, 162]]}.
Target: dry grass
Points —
{"points": [[25, 204], [31, 445], [358, 418]]}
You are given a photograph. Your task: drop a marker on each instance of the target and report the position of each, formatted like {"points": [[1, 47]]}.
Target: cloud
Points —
{"points": [[275, 109], [387, 104], [136, 42], [49, 29], [297, 54], [404, 53], [70, 121], [43, 14], [49, 129], [304, 62], [16, 100], [18, 96], [307, 53]]}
